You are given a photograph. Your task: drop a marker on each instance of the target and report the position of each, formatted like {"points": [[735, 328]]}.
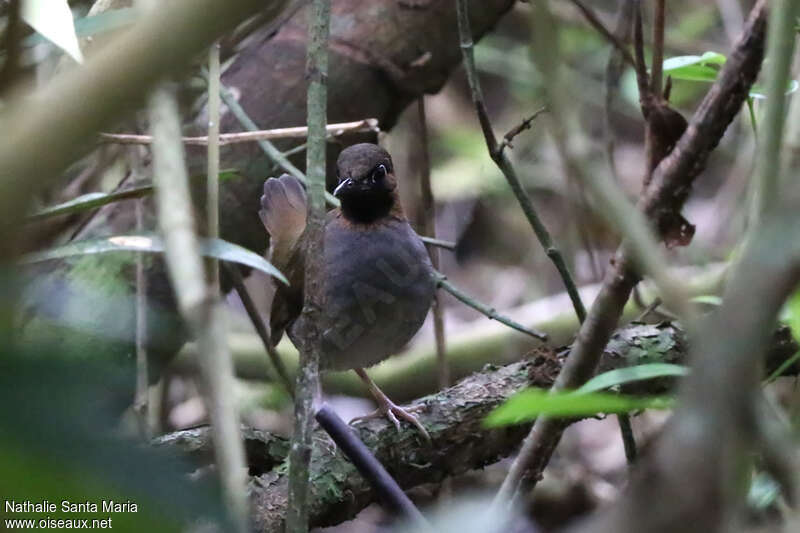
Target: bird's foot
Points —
{"points": [[392, 411]]}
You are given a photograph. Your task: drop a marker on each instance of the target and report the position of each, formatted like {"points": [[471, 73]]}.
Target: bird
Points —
{"points": [[378, 279]]}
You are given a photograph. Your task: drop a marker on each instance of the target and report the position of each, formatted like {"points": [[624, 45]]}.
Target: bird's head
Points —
{"points": [[367, 186]]}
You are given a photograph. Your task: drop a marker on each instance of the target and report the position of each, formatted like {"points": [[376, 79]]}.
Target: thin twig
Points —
{"points": [[298, 132], [267, 147], [545, 55], [504, 164], [490, 312], [307, 387], [782, 19], [140, 404], [600, 27], [649, 309], [640, 65], [202, 310], [657, 64], [614, 70], [519, 128], [428, 209], [212, 178], [235, 274], [447, 245]]}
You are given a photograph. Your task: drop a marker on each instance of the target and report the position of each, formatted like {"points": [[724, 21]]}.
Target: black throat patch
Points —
{"points": [[365, 207]]}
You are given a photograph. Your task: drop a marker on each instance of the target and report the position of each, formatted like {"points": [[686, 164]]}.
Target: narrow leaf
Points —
{"points": [[531, 403], [216, 248], [632, 373], [694, 73], [53, 20], [91, 200], [708, 58]]}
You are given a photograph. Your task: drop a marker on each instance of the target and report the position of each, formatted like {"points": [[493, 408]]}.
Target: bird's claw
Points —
{"points": [[392, 411]]}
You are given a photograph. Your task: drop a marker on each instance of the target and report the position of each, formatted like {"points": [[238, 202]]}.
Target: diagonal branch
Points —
{"points": [[718, 427], [504, 164], [598, 25], [663, 198]]}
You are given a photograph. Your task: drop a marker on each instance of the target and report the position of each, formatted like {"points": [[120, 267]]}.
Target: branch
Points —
{"points": [[780, 53], [447, 245], [256, 319], [504, 164], [657, 64], [592, 18], [490, 312], [307, 387], [428, 226], [201, 309], [614, 70], [460, 442], [663, 198], [519, 128], [212, 158], [299, 132], [267, 147]]}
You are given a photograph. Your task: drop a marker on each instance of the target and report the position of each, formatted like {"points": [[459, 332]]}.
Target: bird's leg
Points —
{"points": [[387, 407]]}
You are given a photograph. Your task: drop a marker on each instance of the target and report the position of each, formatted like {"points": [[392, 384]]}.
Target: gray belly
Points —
{"points": [[379, 286]]}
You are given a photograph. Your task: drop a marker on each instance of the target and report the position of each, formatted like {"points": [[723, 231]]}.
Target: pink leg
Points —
{"points": [[387, 407]]}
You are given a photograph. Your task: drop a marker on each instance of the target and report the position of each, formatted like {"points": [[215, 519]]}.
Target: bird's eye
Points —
{"points": [[378, 174]]}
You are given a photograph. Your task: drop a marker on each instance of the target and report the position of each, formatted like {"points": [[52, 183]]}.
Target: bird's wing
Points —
{"points": [[283, 212]]}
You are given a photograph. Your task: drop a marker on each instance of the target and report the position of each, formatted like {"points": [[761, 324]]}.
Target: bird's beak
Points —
{"points": [[346, 184]]}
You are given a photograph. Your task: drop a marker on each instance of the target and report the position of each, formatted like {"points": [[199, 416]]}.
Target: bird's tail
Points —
{"points": [[283, 212]]}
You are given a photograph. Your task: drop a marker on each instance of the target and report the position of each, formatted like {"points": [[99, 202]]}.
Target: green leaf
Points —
{"points": [[791, 314], [708, 299], [53, 20], [632, 373], [752, 112], [705, 68], [708, 58], [216, 248], [694, 73], [91, 200], [95, 25], [531, 403]]}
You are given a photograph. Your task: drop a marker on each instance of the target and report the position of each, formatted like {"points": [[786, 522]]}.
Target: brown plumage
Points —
{"points": [[378, 277]]}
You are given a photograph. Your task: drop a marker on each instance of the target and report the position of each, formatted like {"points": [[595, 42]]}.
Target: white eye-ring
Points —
{"points": [[379, 173]]}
